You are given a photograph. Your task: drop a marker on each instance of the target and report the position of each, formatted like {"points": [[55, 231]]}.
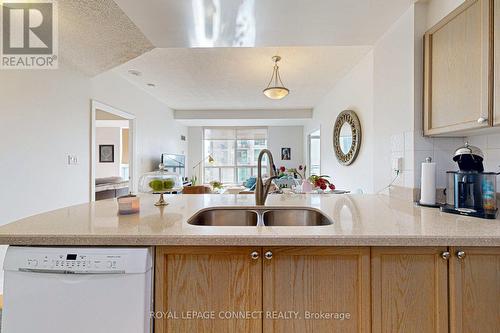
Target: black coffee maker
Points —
{"points": [[471, 191]]}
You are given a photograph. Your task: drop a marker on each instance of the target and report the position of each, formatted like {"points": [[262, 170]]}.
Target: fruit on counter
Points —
{"points": [[156, 184], [162, 184], [168, 184]]}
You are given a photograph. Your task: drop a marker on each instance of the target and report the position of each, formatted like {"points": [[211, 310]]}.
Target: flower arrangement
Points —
{"points": [[321, 182], [296, 172]]}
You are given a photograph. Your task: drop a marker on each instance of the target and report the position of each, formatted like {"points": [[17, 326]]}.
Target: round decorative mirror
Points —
{"points": [[347, 137]]}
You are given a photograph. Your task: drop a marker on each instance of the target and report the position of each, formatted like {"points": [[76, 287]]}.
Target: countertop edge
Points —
{"points": [[117, 240]]}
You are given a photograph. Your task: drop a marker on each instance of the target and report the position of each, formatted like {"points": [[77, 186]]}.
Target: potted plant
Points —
{"points": [[216, 185]]}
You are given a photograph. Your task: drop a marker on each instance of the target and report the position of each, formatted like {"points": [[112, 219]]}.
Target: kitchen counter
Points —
{"points": [[359, 220]]}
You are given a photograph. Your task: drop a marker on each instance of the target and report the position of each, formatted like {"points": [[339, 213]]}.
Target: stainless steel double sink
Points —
{"points": [[260, 216]]}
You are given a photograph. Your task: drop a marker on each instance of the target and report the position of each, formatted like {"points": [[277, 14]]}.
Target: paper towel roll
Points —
{"points": [[428, 184]]}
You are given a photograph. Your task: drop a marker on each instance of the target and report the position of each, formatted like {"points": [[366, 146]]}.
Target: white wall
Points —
{"points": [[108, 136], [286, 137], [393, 101], [156, 130], [437, 9], [353, 92], [388, 95], [45, 115], [39, 127]]}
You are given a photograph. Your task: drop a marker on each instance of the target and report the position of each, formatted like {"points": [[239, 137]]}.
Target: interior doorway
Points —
{"points": [[113, 171]]}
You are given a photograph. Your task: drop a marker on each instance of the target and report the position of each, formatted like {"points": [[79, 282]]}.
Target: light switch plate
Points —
{"points": [[72, 160]]}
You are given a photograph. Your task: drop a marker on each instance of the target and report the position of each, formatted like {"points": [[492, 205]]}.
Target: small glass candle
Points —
{"points": [[128, 204]]}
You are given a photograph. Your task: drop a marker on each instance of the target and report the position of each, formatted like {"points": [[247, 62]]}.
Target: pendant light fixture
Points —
{"points": [[275, 88]]}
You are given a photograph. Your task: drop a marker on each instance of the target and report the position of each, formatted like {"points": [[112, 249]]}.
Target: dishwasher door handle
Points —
{"points": [[67, 272]]}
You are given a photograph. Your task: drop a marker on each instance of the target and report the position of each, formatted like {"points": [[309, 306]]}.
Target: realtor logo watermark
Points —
{"points": [[29, 35]]}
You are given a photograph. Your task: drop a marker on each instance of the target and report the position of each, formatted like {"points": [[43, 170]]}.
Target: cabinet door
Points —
{"points": [[475, 290], [316, 289], [496, 31], [216, 283], [410, 290], [457, 71]]}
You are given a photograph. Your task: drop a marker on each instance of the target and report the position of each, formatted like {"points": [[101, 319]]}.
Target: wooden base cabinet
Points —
{"points": [[409, 290], [196, 286], [293, 289], [327, 289], [475, 290]]}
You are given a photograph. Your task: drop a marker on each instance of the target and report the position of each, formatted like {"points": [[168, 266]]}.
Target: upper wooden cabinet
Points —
{"points": [[410, 289], [496, 89], [317, 284], [458, 79], [475, 290]]}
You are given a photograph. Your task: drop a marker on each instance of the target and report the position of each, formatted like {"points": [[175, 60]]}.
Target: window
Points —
{"points": [[235, 152], [314, 159]]}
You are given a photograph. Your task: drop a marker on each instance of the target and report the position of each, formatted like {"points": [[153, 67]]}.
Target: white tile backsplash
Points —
{"points": [[423, 143], [493, 141], [415, 148], [478, 141], [490, 145], [398, 142], [409, 141], [448, 143]]}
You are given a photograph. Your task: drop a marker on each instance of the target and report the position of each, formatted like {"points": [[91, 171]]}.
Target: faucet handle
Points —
{"points": [[275, 171]]}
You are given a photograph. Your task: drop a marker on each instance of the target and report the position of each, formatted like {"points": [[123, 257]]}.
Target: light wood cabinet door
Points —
{"points": [[409, 290], [458, 81], [318, 289], [475, 290], [496, 86], [219, 282]]}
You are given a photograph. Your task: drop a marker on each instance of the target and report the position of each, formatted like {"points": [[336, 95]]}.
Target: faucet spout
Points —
{"points": [[261, 187]]}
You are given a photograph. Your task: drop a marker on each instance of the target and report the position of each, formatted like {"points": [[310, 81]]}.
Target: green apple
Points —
{"points": [[156, 184], [168, 184]]}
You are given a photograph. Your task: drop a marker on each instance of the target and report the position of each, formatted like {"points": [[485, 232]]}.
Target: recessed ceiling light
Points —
{"points": [[152, 85], [134, 72]]}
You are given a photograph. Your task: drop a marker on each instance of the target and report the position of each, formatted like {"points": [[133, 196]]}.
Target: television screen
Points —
{"points": [[174, 163]]}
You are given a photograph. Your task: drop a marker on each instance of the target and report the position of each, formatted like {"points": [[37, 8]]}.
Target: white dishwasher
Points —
{"points": [[77, 290]]}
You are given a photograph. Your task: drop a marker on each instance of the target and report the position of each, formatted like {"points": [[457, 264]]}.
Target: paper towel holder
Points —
{"points": [[436, 205]]}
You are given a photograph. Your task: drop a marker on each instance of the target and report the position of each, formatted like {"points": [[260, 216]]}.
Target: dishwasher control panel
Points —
{"points": [[74, 262]]}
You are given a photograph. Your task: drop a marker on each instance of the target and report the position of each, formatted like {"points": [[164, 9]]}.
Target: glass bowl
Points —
{"points": [[160, 182]]}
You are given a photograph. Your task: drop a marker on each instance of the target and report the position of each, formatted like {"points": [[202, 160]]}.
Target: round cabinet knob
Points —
{"points": [[268, 255], [460, 254], [445, 255], [482, 120], [254, 255]]}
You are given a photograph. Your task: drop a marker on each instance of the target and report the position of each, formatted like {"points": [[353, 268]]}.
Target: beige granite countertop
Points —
{"points": [[364, 220]]}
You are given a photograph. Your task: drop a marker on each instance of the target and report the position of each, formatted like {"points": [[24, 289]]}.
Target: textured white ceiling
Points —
{"points": [[95, 35], [225, 23], [233, 78]]}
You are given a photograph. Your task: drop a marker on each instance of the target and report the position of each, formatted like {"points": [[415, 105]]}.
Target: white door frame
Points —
{"points": [[309, 136], [96, 105]]}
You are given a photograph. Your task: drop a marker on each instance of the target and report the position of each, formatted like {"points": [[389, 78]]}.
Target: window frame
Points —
{"points": [[310, 137], [235, 166]]}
